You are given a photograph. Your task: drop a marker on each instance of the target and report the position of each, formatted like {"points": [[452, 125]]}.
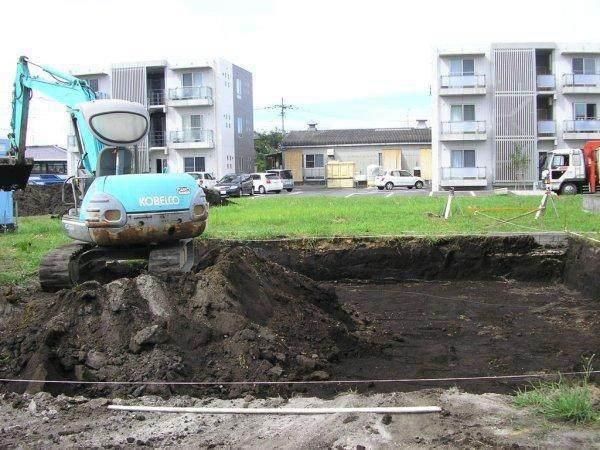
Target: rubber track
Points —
{"points": [[54, 272]]}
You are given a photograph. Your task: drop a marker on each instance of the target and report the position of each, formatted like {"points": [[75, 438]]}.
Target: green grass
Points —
{"points": [[563, 400], [292, 216]]}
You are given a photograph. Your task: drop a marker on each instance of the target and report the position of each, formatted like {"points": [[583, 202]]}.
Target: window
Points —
{"points": [[238, 88], [462, 158], [405, 173], [161, 165], [191, 82], [584, 111], [93, 82], [193, 164], [313, 161], [462, 113], [584, 66], [460, 66], [240, 125]]}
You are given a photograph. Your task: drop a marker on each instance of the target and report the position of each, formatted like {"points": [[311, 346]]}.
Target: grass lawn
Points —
{"points": [[292, 216]]}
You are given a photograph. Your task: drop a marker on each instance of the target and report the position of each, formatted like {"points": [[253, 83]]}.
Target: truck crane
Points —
{"points": [[115, 214], [572, 171]]}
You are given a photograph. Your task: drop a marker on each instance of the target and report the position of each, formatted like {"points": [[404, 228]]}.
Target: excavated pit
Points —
{"points": [[315, 310]]}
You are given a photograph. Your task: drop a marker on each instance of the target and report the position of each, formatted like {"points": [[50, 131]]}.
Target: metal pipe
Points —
{"points": [[281, 411]]}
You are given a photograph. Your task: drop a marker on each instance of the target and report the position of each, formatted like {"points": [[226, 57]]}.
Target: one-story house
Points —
{"points": [[47, 159], [307, 152]]}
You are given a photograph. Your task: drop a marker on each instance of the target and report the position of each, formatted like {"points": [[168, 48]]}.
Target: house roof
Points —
{"points": [[46, 153], [307, 138]]}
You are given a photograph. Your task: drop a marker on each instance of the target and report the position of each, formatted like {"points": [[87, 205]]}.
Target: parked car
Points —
{"points": [[204, 179], [286, 177], [46, 179], [267, 182], [235, 184], [396, 178]]}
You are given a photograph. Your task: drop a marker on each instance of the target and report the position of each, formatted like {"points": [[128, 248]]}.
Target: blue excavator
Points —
{"points": [[116, 215]]}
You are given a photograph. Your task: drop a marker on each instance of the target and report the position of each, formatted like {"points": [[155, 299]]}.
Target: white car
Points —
{"points": [[395, 178], [204, 179], [267, 182]]}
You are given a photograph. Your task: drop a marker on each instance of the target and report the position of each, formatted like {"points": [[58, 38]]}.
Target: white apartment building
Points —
{"points": [[525, 98], [201, 113]]}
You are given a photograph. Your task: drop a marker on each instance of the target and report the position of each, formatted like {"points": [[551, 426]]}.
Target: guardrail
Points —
{"points": [[190, 93], [462, 81], [582, 126], [464, 127], [580, 79], [156, 97], [546, 127], [157, 139], [463, 173], [546, 82], [192, 135]]}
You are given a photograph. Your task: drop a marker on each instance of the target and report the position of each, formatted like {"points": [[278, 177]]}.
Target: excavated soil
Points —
{"points": [[311, 311], [40, 200]]}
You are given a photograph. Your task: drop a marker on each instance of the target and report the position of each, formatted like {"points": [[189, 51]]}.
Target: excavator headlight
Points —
{"points": [[112, 215]]}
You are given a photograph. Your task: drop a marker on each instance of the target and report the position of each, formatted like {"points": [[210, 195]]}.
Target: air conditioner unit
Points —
{"points": [[330, 152]]}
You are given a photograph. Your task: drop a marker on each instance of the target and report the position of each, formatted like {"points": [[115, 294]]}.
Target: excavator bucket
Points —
{"points": [[14, 175]]}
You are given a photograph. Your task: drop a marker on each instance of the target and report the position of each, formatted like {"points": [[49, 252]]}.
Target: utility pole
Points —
{"points": [[283, 108]]}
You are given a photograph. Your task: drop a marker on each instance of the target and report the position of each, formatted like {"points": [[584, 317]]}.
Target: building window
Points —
{"points": [[161, 165], [462, 113], [462, 158], [194, 164], [584, 66], [313, 161], [240, 125], [462, 66], [238, 88], [42, 167], [93, 82], [584, 111]]}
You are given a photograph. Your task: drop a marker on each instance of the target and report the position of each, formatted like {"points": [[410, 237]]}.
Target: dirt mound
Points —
{"points": [[242, 318], [40, 200]]}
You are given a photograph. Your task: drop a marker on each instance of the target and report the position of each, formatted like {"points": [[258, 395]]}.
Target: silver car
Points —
{"points": [[286, 176]]}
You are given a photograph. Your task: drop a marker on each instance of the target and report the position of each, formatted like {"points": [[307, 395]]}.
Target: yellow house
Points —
{"points": [[307, 152]]}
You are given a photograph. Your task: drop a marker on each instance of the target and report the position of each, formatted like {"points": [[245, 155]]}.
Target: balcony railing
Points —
{"points": [[463, 173], [191, 135], [156, 97], [191, 93], [462, 81], [591, 125], [157, 139], [581, 80], [546, 82], [464, 127], [546, 128]]}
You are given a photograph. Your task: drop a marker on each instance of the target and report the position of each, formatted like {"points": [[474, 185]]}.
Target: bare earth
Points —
{"points": [[467, 420]]}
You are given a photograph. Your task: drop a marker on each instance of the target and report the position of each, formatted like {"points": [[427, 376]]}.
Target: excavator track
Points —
{"points": [[59, 269]]}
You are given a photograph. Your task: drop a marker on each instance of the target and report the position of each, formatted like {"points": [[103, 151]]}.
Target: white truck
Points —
{"points": [[572, 171]]}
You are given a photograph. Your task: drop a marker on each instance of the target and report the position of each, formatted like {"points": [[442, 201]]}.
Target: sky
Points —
{"points": [[342, 64]]}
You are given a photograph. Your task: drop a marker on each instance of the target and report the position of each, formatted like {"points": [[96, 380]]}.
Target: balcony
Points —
{"points": [[546, 129], [582, 129], [191, 96], [472, 130], [192, 138], [463, 177], [546, 83], [157, 140], [156, 99], [576, 83], [462, 85]]}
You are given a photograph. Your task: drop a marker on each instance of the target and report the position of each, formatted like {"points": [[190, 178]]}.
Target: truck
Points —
{"points": [[115, 213], [573, 171]]}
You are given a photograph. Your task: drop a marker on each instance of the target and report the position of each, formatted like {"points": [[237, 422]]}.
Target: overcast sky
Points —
{"points": [[342, 63]]}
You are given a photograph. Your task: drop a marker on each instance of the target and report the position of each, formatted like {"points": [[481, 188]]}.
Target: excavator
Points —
{"points": [[116, 215]]}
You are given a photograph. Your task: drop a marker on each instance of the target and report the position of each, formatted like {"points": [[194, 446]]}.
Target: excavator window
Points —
{"points": [[115, 161]]}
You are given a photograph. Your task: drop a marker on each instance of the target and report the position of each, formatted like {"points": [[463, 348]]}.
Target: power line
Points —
{"points": [[283, 108]]}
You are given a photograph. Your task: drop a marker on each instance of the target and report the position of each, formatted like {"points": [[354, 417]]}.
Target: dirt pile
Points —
{"points": [[242, 318], [40, 200]]}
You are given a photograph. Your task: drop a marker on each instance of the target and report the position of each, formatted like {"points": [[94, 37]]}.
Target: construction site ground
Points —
{"points": [[315, 312]]}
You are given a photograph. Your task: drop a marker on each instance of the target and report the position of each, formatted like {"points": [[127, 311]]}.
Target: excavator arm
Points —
{"points": [[65, 89]]}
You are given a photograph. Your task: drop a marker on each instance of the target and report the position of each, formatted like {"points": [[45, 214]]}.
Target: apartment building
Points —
{"points": [[201, 113], [507, 103]]}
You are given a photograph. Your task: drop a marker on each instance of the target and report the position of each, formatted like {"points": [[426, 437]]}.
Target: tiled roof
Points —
{"points": [[46, 153], [357, 136]]}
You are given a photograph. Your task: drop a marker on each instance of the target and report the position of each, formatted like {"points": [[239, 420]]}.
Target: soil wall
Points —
{"points": [[582, 267]]}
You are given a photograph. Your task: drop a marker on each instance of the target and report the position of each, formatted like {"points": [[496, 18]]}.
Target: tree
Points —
{"points": [[520, 162], [266, 143]]}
